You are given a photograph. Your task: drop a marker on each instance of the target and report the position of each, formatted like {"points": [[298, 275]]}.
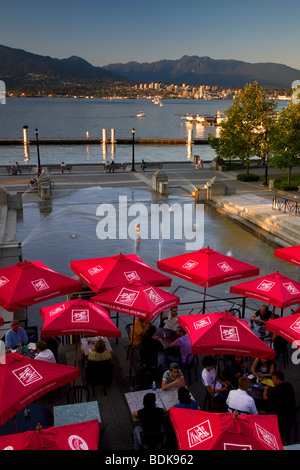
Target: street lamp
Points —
{"points": [[133, 132], [38, 148], [265, 183]]}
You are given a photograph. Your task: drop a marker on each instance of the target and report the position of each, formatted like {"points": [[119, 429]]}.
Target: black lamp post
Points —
{"points": [[265, 183], [38, 148], [132, 166]]}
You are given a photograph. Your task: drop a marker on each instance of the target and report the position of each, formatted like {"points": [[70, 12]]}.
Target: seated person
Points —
{"points": [[139, 328], [234, 369], [262, 368], [173, 377], [185, 400], [281, 401], [15, 336], [172, 320], [100, 353], [261, 317], [63, 166], [208, 378], [240, 400], [152, 347], [44, 354], [151, 418], [182, 346]]}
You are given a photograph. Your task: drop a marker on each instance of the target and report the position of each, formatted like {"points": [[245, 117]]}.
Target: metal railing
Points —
{"points": [[287, 205]]}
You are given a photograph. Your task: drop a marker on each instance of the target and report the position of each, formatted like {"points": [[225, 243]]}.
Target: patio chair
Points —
{"points": [[77, 394], [236, 312], [142, 381], [99, 373]]}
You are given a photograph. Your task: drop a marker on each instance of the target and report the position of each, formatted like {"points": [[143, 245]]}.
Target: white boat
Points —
{"points": [[141, 114]]}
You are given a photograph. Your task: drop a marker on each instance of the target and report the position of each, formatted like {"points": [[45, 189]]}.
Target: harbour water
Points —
{"points": [[67, 118]]}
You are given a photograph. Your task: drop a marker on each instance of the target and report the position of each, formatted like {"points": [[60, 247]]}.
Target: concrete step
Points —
{"points": [[278, 235], [288, 225]]}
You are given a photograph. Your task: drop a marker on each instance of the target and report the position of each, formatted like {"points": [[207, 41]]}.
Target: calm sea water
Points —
{"points": [[72, 118]]}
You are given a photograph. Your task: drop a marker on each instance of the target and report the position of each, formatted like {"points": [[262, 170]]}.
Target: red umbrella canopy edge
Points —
{"points": [[109, 272], [223, 333], [31, 282], [23, 380], [207, 267], [275, 289], [289, 253]]}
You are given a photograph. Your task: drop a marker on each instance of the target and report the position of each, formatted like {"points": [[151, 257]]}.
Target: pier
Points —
{"points": [[85, 141]]}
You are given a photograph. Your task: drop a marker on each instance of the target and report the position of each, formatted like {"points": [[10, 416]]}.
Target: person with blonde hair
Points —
{"points": [[100, 353]]}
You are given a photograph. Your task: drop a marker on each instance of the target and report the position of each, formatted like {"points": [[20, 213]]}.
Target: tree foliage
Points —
{"points": [[285, 139], [245, 132]]}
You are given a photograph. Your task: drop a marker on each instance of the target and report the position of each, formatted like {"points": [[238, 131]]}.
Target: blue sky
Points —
{"points": [[147, 31]]}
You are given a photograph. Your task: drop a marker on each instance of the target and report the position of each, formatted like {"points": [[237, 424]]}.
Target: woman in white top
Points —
{"points": [[44, 354]]}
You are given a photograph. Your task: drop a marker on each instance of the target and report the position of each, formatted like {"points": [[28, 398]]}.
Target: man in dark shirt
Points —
{"points": [[152, 346], [151, 419], [281, 401]]}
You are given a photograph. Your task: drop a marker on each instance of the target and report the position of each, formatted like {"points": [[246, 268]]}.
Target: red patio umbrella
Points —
{"points": [[77, 317], [288, 327], [223, 333], [201, 430], [275, 289], [207, 268], [79, 436], [106, 273], [290, 253], [23, 380], [137, 298], [31, 282]]}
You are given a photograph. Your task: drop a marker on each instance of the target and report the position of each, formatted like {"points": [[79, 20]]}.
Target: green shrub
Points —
{"points": [[250, 177], [285, 187]]}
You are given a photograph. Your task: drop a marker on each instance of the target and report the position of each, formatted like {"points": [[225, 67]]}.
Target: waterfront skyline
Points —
{"points": [[122, 31]]}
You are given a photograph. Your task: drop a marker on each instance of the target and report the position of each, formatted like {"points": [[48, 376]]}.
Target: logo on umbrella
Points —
{"points": [[230, 446], [153, 296], [291, 288], [27, 375], [296, 326], [189, 264], [266, 437], [40, 284], [77, 443], [132, 276], [199, 433], [229, 333], [202, 323], [57, 310], [80, 316], [127, 297], [266, 285], [225, 267], [95, 270], [3, 281]]}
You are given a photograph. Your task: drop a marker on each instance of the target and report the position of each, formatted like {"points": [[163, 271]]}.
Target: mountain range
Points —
{"points": [[194, 70], [19, 68]]}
